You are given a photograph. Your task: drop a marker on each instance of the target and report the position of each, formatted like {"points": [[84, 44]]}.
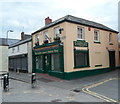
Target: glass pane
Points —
{"points": [[81, 59], [39, 62], [57, 33], [80, 33], [55, 61]]}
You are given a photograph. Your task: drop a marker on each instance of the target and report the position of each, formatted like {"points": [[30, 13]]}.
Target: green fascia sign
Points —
{"points": [[60, 49], [80, 43]]}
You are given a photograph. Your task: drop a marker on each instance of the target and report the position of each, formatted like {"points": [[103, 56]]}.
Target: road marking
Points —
{"points": [[86, 90], [26, 92]]}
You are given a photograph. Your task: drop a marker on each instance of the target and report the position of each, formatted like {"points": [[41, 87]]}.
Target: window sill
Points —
{"points": [[81, 40], [76, 67], [97, 42], [98, 65], [110, 43]]}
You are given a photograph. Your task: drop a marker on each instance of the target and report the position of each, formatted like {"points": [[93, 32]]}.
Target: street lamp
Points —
{"points": [[7, 36]]}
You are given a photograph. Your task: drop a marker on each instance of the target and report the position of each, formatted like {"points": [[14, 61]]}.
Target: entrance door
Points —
{"points": [[46, 63], [112, 59]]}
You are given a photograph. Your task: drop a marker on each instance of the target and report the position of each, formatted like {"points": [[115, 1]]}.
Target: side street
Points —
{"points": [[51, 89]]}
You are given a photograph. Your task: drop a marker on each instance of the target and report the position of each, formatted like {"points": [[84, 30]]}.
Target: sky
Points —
{"points": [[29, 15]]}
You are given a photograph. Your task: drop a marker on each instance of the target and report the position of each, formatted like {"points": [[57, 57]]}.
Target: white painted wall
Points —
{"points": [[29, 48], [3, 58], [25, 48], [22, 50]]}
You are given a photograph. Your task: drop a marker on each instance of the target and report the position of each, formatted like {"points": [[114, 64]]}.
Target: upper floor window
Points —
{"points": [[46, 35], [80, 32], [18, 48], [37, 40], [57, 32], [13, 49], [110, 38], [96, 36]]}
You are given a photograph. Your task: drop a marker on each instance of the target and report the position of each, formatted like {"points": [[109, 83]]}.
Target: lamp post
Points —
{"points": [[7, 36]]}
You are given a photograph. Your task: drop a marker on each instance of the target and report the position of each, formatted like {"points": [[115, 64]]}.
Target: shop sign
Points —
{"points": [[46, 52], [79, 43]]}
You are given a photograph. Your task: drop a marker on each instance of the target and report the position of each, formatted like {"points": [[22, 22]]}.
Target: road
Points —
{"points": [[55, 90]]}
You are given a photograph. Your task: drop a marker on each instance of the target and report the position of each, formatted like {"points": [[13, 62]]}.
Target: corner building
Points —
{"points": [[72, 47]]}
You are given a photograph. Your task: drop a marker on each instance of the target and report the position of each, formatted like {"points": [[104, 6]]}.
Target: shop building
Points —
{"points": [[20, 54], [72, 47]]}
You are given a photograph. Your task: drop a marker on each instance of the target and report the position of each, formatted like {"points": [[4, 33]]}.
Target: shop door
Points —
{"points": [[112, 59], [46, 63]]}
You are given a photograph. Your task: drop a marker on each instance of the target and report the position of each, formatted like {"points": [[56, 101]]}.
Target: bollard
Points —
{"points": [[6, 82], [33, 80]]}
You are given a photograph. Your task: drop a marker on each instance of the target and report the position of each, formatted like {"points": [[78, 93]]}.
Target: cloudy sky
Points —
{"points": [[21, 15]]}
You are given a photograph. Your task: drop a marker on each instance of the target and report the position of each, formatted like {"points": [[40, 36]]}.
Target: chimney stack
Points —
{"points": [[22, 35], [47, 20]]}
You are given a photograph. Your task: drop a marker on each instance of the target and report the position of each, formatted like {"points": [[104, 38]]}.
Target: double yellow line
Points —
{"points": [[86, 90]]}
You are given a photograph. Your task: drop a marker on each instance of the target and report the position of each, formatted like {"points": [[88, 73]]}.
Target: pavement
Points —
{"points": [[0, 93], [51, 89]]}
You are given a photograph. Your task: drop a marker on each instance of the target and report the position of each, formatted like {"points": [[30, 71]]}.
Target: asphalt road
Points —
{"points": [[22, 92], [50, 89], [108, 89]]}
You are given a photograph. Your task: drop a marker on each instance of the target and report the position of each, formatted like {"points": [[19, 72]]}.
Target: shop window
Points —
{"points": [[39, 62], [55, 62], [96, 36], [81, 58], [80, 32]]}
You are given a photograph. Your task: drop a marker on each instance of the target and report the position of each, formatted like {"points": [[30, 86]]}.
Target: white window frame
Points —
{"points": [[96, 34], [56, 32], [46, 34], [18, 48], [13, 49], [110, 37], [80, 34], [37, 38]]}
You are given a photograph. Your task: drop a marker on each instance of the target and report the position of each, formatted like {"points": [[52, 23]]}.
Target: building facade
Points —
{"points": [[4, 43], [20, 55], [72, 47]]}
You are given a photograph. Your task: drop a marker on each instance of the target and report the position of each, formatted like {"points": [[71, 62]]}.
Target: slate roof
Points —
{"points": [[20, 42], [76, 20], [3, 41]]}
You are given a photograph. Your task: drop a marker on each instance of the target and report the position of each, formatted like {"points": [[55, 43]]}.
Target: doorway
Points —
{"points": [[47, 63], [112, 59]]}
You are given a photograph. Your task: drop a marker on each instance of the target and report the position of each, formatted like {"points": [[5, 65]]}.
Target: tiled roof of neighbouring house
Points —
{"points": [[77, 20], [3, 41], [20, 42]]}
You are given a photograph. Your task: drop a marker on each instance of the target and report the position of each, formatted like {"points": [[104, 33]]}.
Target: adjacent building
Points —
{"points": [[72, 47], [4, 43], [20, 54]]}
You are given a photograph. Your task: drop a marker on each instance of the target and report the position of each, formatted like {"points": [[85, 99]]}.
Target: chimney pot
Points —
{"points": [[22, 35], [47, 20]]}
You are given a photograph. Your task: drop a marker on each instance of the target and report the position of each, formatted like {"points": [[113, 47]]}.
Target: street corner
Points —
{"points": [[106, 90]]}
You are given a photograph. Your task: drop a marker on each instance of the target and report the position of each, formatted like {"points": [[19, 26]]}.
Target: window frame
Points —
{"points": [[45, 35], [13, 49], [98, 36], [56, 34], [18, 48], [81, 51], [82, 34], [110, 39]]}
